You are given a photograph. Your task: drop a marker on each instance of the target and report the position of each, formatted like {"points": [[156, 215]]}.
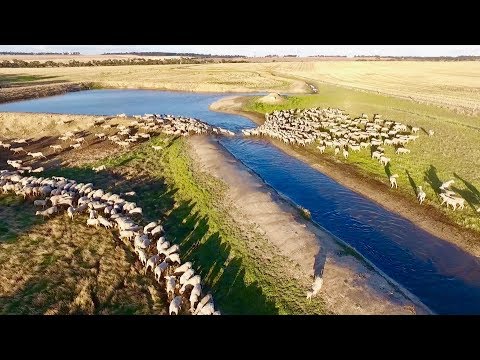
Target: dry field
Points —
{"points": [[448, 84]]}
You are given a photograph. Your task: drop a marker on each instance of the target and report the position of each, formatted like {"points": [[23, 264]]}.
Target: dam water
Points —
{"points": [[440, 274]]}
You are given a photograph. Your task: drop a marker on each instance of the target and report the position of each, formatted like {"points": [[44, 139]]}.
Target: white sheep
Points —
{"points": [[190, 282], [207, 309], [446, 184], [92, 222], [182, 268], [421, 195], [70, 212], [159, 269], [173, 258], [151, 262], [36, 155], [47, 213], [170, 284], [393, 181], [194, 296], [149, 226], [175, 304], [207, 298], [345, 154], [142, 256], [186, 275]]}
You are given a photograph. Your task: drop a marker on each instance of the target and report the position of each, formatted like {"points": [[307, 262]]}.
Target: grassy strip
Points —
{"points": [[452, 153]]}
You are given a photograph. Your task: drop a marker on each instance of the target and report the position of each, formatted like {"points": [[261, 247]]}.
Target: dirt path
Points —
{"points": [[426, 217], [350, 286]]}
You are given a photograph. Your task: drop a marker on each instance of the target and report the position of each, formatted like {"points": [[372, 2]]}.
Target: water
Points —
{"points": [[443, 276]]}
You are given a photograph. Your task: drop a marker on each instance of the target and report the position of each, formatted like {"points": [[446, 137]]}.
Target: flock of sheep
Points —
{"points": [[111, 211], [333, 128]]}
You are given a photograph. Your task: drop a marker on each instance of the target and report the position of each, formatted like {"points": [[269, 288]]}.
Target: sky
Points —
{"points": [[262, 50]]}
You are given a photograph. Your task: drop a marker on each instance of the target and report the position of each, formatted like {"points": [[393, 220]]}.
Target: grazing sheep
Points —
{"points": [[92, 222], [182, 268], [337, 150], [393, 181], [345, 154], [37, 155], [186, 275], [38, 170], [431, 132], [321, 149], [47, 213], [152, 261], [41, 203], [107, 224], [207, 309], [70, 212], [190, 282], [384, 160], [173, 258], [99, 168], [56, 147], [17, 150], [205, 300], [446, 184], [142, 256], [157, 230], [175, 304], [149, 226], [170, 284], [421, 195], [194, 296], [159, 269]]}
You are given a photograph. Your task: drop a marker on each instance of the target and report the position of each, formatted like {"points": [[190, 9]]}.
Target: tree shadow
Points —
{"points": [[412, 183]]}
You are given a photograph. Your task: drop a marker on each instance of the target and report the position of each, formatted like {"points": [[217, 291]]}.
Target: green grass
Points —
{"points": [[452, 153]]}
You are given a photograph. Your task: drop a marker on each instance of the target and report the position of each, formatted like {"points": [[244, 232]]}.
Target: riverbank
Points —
{"points": [[17, 93], [350, 286], [426, 217]]}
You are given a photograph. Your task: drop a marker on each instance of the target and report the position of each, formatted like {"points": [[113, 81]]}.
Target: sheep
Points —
{"points": [[192, 281], [75, 146], [56, 147], [446, 184], [217, 312], [206, 299], [37, 155], [431, 132], [337, 150], [38, 170], [393, 181], [174, 258], [159, 269], [152, 261], [175, 304], [17, 150], [107, 224], [186, 275], [384, 160], [162, 244], [194, 296], [321, 149], [170, 250], [157, 230], [170, 282], [401, 150], [316, 286], [421, 195], [415, 129], [70, 212], [92, 222], [149, 226], [99, 168], [207, 309], [126, 234], [47, 213], [182, 268], [458, 201], [137, 210], [142, 256], [345, 154], [41, 203]]}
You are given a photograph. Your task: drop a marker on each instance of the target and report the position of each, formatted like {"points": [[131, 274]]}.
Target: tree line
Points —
{"points": [[17, 63]]}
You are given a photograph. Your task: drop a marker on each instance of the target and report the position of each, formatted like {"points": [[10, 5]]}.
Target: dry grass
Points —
{"points": [[62, 268], [448, 84]]}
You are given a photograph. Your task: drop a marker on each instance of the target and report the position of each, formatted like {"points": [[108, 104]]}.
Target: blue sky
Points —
{"points": [[262, 50]]}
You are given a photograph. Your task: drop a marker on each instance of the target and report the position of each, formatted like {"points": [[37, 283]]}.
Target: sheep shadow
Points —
{"points": [[425, 131], [412, 183], [474, 192], [432, 179], [388, 170]]}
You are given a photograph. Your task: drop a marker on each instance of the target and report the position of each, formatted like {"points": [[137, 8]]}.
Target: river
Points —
{"points": [[440, 274]]}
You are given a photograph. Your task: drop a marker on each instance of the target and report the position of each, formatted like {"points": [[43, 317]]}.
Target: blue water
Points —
{"points": [[443, 276]]}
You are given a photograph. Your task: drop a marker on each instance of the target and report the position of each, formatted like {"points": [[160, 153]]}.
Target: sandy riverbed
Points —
{"points": [[350, 286]]}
